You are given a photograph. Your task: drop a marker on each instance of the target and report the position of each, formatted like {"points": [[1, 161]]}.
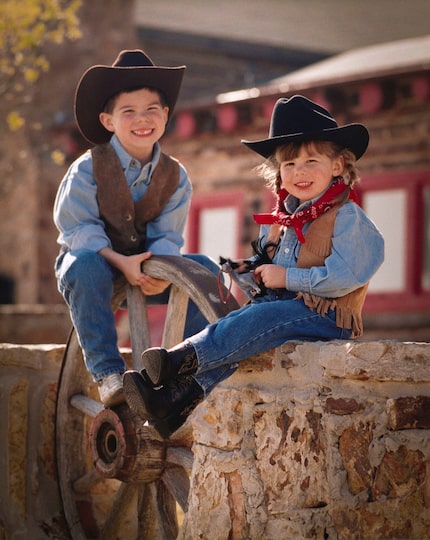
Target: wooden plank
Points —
{"points": [[175, 319], [140, 337], [179, 455], [178, 483]]}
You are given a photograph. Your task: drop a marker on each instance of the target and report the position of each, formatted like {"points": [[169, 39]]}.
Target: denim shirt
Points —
{"points": [[76, 211], [357, 253]]}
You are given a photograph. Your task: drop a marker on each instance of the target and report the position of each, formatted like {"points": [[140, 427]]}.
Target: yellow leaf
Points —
{"points": [[58, 157], [31, 75], [15, 121]]}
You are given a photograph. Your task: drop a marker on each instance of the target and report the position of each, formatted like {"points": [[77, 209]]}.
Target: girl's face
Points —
{"points": [[138, 119], [309, 173]]}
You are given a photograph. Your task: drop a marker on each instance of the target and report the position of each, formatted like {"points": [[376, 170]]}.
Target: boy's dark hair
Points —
{"points": [[110, 103]]}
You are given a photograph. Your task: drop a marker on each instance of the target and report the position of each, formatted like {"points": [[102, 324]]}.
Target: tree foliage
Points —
{"points": [[26, 26]]}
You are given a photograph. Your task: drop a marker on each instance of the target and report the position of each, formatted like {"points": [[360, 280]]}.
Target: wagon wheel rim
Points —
{"points": [[96, 506]]}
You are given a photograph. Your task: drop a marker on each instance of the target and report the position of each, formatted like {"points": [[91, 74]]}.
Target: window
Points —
{"points": [[388, 211], [399, 204], [214, 225], [426, 240]]}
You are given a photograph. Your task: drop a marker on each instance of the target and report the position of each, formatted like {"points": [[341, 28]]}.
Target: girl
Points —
{"points": [[322, 251]]}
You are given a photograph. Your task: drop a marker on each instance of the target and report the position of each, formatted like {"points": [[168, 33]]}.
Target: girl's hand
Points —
{"points": [[272, 275]]}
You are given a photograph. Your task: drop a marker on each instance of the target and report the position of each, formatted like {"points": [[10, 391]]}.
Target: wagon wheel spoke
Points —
{"points": [[125, 500], [85, 404], [157, 512], [179, 455], [86, 482], [175, 317], [177, 482], [139, 325]]}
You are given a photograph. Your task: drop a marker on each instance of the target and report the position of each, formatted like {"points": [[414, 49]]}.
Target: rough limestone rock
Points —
{"points": [[315, 440]]}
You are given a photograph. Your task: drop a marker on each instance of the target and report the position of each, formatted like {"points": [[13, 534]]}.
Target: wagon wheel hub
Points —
{"points": [[123, 447]]}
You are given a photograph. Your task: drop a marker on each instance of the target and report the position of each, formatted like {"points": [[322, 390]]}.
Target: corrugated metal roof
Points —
{"points": [[403, 56]]}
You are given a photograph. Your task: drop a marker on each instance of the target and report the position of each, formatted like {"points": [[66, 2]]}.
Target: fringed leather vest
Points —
{"points": [[313, 252], [125, 220]]}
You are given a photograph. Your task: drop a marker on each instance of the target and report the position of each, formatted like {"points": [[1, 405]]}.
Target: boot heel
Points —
{"points": [[164, 365], [155, 361], [136, 392]]}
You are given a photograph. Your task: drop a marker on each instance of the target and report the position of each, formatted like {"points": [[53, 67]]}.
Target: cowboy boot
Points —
{"points": [[167, 426], [168, 407], [164, 365], [192, 394]]}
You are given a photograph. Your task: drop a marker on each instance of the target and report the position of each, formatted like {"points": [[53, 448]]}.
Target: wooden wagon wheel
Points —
{"points": [[118, 479]]}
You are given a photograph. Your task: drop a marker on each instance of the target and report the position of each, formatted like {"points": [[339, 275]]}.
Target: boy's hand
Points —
{"points": [[134, 274], [150, 285], [131, 267], [272, 275]]}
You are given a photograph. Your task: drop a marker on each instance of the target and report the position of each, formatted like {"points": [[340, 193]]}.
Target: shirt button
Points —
{"points": [[128, 217], [287, 250], [133, 163], [133, 238]]}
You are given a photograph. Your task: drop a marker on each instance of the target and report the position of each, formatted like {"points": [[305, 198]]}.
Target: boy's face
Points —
{"points": [[138, 119], [308, 174]]}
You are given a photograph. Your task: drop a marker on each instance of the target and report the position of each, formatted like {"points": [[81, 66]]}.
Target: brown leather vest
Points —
{"points": [[125, 220], [313, 252]]}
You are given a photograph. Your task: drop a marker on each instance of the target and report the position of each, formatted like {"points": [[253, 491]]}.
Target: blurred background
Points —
{"points": [[365, 61]]}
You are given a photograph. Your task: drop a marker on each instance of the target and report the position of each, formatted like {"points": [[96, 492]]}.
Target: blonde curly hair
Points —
{"points": [[270, 169]]}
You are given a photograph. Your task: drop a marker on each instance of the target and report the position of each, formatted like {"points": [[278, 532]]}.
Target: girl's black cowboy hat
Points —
{"points": [[298, 119], [131, 69]]}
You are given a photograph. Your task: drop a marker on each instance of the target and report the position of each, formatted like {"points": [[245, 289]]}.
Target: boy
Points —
{"points": [[118, 203], [323, 252]]}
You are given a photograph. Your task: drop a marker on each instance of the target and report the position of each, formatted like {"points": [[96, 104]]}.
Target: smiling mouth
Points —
{"points": [[142, 131], [303, 184]]}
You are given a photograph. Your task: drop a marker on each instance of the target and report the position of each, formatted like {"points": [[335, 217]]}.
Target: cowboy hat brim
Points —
{"points": [[99, 83], [355, 137]]}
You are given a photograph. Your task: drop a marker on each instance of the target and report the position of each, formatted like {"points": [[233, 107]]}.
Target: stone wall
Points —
{"points": [[30, 505], [322, 441], [36, 323]]}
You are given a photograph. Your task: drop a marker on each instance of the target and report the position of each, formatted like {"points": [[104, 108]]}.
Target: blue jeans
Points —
{"points": [[86, 279], [266, 323]]}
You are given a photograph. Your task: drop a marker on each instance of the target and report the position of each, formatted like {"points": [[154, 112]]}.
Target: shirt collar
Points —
{"points": [[128, 162]]}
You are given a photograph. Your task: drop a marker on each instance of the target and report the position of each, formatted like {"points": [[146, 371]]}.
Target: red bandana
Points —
{"points": [[311, 212]]}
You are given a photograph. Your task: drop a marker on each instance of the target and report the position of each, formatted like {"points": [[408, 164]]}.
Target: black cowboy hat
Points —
{"points": [[131, 69], [298, 119]]}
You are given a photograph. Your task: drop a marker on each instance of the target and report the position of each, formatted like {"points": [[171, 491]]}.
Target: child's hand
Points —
{"points": [[134, 274], [150, 285], [272, 275], [131, 267]]}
